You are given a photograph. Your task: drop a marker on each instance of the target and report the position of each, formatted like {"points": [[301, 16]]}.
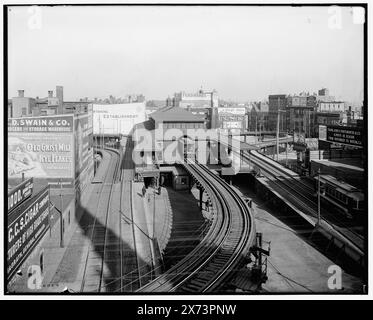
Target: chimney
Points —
{"points": [[21, 93], [59, 95], [50, 94]]}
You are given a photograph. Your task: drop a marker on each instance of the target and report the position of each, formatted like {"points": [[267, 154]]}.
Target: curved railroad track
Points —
{"points": [[303, 195], [221, 251]]}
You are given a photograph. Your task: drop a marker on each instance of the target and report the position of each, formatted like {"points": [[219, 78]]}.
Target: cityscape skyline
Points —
{"points": [[172, 49]]}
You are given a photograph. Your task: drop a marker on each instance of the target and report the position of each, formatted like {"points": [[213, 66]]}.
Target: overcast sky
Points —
{"points": [[245, 53]]}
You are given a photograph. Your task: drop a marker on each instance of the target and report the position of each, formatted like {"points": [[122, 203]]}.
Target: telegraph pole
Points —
{"points": [[278, 128], [256, 125], [318, 198], [61, 215]]}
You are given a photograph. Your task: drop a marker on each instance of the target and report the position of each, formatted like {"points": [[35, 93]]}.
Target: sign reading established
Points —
{"points": [[117, 118], [20, 193], [26, 226], [344, 135]]}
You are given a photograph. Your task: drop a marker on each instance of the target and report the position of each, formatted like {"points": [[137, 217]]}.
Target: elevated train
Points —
{"points": [[345, 198]]}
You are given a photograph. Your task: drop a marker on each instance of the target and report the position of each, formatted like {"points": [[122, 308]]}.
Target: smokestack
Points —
{"points": [[50, 94], [21, 93], [59, 95]]}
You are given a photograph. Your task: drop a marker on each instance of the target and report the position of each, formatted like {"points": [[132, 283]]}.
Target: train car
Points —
{"points": [[345, 198]]}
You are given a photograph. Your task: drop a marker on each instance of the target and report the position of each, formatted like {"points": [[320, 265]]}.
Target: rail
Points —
{"points": [[224, 247]]}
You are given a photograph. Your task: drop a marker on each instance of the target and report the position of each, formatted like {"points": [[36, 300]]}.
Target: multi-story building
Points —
{"points": [[22, 106], [10, 109], [201, 103], [277, 104], [301, 114], [323, 95], [200, 99], [331, 106], [330, 118], [49, 105], [258, 117]]}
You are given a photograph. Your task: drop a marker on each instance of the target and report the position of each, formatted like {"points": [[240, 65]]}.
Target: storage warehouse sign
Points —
{"points": [[115, 119], [27, 224], [41, 147], [344, 135]]}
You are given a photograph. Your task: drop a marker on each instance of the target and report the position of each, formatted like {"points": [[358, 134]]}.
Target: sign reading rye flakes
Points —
{"points": [[41, 147]]}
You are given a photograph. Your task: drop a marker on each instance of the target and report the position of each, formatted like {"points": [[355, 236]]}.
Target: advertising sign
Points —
{"points": [[41, 147], [41, 155], [83, 143], [231, 118], [26, 226], [344, 135], [20, 193], [232, 125], [117, 118], [322, 132], [41, 124], [230, 111]]}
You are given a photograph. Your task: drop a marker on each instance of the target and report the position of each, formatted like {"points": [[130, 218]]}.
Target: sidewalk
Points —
{"points": [[142, 235]]}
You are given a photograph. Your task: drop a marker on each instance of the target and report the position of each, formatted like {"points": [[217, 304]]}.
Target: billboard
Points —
{"points": [[231, 118], [115, 119], [20, 193], [83, 160], [83, 143], [26, 226], [351, 136], [232, 125], [231, 111], [41, 124]]}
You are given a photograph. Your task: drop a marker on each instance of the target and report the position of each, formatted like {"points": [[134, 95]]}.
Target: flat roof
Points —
{"points": [[331, 163], [176, 170]]}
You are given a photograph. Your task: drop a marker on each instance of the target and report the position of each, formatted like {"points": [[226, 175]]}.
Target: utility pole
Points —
{"points": [[154, 215], [278, 128], [318, 199], [61, 216], [286, 154]]}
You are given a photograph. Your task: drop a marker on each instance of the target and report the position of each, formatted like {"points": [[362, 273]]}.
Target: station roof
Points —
{"points": [[176, 170], [175, 114]]}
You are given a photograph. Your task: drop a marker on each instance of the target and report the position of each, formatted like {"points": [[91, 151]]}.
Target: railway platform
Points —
{"points": [[294, 264]]}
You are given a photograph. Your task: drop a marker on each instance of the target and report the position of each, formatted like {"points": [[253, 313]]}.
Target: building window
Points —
{"points": [[24, 111]]}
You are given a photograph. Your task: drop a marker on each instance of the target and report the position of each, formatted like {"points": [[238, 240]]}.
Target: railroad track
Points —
{"points": [[97, 254], [221, 251], [303, 196]]}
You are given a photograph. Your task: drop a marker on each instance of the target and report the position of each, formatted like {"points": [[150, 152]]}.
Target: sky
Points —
{"points": [[245, 53]]}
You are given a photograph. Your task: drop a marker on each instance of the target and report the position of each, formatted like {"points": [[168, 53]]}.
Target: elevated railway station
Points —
{"points": [[162, 213]]}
